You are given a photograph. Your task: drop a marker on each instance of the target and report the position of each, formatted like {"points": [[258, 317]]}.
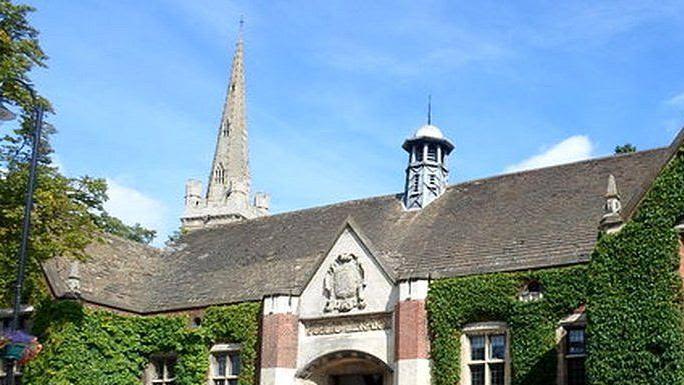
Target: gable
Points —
{"points": [[350, 280]]}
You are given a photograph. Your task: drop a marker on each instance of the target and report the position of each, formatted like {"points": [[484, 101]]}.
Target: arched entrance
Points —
{"points": [[347, 367]]}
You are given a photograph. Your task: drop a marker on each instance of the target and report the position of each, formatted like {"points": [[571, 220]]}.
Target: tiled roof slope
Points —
{"points": [[119, 273], [539, 218]]}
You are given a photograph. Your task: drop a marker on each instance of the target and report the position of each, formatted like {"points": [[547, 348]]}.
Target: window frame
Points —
{"points": [[228, 349], [488, 330], [573, 322], [167, 359]]}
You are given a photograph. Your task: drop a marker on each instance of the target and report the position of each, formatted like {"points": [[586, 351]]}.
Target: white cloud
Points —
{"points": [[676, 101], [572, 149], [132, 206]]}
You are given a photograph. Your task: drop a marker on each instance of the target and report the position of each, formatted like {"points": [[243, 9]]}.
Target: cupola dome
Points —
{"points": [[429, 131]]}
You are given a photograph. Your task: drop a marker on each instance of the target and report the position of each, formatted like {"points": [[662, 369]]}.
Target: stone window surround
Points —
{"points": [[483, 328], [222, 348], [577, 320], [167, 359]]}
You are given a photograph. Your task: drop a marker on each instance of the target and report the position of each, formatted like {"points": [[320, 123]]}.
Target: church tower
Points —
{"points": [[427, 173], [227, 198]]}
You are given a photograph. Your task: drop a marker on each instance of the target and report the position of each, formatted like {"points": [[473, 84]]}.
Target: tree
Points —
{"points": [[114, 225], [68, 213], [625, 148], [175, 237]]}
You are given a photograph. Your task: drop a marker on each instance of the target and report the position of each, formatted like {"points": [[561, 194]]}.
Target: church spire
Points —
{"points": [[227, 198], [230, 168]]}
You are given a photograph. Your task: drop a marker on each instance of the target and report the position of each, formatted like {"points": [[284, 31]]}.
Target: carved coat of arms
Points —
{"points": [[344, 284]]}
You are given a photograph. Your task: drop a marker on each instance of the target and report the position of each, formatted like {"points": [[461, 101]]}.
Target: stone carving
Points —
{"points": [[344, 284], [327, 326]]}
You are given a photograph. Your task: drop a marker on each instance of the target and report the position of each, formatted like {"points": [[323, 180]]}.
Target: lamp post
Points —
{"points": [[6, 114]]}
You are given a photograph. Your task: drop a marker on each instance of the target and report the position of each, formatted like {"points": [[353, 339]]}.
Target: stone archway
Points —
{"points": [[348, 367]]}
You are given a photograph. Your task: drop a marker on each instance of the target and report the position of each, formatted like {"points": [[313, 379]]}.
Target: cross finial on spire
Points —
{"points": [[429, 115]]}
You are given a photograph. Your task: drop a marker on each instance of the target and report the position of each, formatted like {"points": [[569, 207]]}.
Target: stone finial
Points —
{"points": [[262, 201], [612, 218], [74, 281], [193, 194]]}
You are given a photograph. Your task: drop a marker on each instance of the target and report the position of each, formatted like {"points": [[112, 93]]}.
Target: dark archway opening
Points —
{"points": [[347, 368]]}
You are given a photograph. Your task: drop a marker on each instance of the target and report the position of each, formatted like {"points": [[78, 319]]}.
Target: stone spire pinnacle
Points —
{"points": [[227, 198], [612, 218], [230, 168]]}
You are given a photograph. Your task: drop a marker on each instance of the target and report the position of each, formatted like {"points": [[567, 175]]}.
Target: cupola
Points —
{"points": [[427, 173]]}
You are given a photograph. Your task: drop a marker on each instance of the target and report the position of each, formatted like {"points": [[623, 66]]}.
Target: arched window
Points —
{"points": [[225, 130], [532, 291], [220, 174]]}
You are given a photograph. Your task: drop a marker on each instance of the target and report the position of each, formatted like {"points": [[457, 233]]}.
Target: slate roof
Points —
{"points": [[526, 220]]}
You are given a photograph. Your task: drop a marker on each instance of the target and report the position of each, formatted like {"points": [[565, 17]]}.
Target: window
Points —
{"points": [[575, 355], [433, 180], [532, 291], [160, 371], [225, 364], [225, 129], [572, 349], [219, 174], [485, 354], [432, 153]]}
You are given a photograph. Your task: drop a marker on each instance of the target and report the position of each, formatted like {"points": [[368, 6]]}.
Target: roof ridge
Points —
{"points": [[451, 186], [297, 211], [556, 166]]}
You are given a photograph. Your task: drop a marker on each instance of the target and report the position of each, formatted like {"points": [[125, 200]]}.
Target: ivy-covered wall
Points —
{"points": [[632, 289], [455, 302], [635, 296], [85, 346]]}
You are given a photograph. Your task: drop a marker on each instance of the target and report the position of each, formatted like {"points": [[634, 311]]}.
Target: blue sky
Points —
{"points": [[334, 87]]}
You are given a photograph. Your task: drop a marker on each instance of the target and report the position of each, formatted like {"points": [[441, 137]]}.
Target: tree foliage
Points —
{"points": [[68, 213], [114, 225], [625, 148]]}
